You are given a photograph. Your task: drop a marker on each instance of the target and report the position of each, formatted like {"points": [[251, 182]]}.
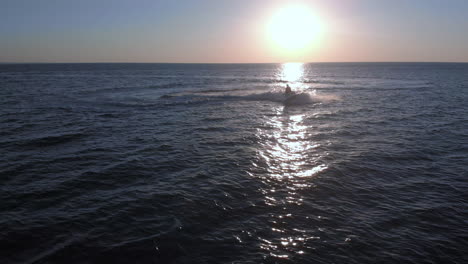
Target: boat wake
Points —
{"points": [[303, 98]]}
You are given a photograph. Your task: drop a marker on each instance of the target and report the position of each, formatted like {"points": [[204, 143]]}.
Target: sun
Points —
{"points": [[294, 29]]}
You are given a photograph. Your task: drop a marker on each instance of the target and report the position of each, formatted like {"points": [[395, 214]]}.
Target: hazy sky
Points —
{"points": [[229, 31]]}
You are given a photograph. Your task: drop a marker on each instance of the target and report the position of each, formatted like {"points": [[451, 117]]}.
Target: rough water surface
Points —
{"points": [[211, 163]]}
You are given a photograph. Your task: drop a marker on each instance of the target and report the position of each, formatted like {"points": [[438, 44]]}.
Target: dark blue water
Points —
{"points": [[194, 163]]}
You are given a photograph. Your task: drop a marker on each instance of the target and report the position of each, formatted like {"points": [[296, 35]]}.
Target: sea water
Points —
{"points": [[205, 163]]}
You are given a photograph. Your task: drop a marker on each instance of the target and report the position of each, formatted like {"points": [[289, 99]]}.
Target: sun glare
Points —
{"points": [[294, 29]]}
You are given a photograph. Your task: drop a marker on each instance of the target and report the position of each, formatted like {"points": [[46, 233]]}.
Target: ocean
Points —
{"points": [[212, 163]]}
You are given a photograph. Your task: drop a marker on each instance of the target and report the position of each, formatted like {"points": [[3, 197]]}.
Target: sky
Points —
{"points": [[233, 31]]}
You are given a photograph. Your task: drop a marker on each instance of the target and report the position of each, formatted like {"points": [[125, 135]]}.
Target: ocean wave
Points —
{"points": [[50, 140]]}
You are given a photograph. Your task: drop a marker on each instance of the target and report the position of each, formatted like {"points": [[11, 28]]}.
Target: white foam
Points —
{"points": [[296, 99]]}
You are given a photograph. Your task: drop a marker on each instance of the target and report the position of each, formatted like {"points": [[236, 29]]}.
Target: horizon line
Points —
{"points": [[321, 62]]}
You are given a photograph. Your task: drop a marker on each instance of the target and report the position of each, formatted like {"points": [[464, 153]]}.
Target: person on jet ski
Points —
{"points": [[288, 90]]}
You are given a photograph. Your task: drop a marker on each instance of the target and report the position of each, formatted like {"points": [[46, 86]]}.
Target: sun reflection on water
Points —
{"points": [[286, 148], [291, 161], [292, 73]]}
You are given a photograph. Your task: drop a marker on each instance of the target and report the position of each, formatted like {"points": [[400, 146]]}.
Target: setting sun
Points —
{"points": [[294, 29]]}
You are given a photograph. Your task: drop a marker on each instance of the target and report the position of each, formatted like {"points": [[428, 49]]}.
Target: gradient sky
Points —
{"points": [[228, 31]]}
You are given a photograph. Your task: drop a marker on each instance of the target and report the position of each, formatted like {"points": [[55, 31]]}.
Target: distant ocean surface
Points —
{"points": [[209, 163]]}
